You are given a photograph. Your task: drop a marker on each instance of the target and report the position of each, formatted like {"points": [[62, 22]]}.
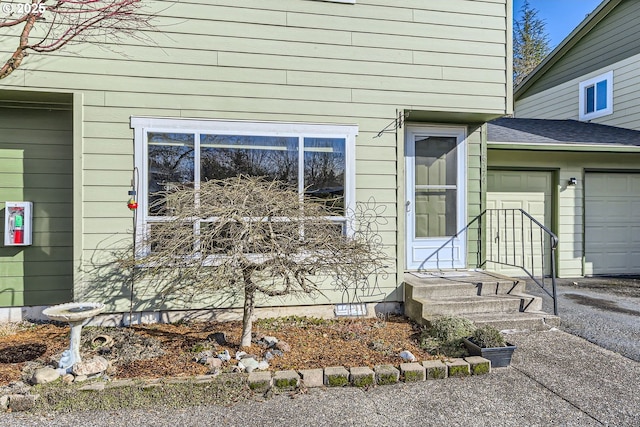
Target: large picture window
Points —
{"points": [[318, 160]]}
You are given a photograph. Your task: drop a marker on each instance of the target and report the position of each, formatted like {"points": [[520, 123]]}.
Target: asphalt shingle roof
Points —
{"points": [[570, 132]]}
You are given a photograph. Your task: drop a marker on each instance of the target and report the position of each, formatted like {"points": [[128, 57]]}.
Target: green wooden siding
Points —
{"points": [[286, 60], [569, 209], [36, 165]]}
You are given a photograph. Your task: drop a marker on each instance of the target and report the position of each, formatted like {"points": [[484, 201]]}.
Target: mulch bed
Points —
{"points": [[162, 350]]}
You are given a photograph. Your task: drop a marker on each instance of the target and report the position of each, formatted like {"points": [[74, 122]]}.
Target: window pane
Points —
{"points": [[601, 94], [171, 164], [590, 97], [436, 174], [226, 156], [324, 171]]}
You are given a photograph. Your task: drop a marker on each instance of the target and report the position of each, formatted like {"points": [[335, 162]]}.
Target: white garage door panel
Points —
{"points": [[612, 223], [531, 192]]}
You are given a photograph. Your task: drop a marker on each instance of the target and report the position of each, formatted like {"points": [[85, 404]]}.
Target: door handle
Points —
{"points": [[407, 205]]}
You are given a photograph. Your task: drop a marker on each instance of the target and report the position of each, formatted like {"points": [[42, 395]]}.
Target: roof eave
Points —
{"points": [[612, 148]]}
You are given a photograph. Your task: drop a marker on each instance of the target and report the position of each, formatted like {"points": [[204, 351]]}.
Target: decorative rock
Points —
{"points": [[250, 364], [95, 365], [435, 369], [224, 356], [269, 340], [259, 381], [22, 402], [283, 346], [362, 377], [286, 380], [457, 368], [80, 378], [219, 337], [312, 377], [67, 378], [263, 365], [336, 376], [478, 365], [386, 374], [240, 354], [268, 355], [203, 356], [412, 372], [407, 356], [45, 375], [214, 362], [278, 353]]}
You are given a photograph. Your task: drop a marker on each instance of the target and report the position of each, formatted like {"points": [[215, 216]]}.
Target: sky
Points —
{"points": [[560, 16]]}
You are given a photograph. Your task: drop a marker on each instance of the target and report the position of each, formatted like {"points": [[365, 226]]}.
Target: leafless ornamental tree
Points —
{"points": [[258, 237], [45, 26]]}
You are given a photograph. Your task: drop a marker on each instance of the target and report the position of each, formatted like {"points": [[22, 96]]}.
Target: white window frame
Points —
{"points": [[143, 125], [592, 82]]}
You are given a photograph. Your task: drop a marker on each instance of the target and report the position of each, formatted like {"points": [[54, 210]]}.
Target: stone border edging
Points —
{"points": [[262, 381]]}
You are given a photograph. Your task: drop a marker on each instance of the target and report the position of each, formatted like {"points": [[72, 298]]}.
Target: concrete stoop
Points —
{"points": [[339, 376], [482, 297]]}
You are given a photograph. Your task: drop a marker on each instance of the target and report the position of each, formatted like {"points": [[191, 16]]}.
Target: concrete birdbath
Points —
{"points": [[77, 314]]}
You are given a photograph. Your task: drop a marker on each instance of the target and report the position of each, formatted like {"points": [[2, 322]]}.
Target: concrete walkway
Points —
{"points": [[555, 379]]}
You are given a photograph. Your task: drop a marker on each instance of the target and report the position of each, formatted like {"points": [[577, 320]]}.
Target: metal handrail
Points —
{"points": [[509, 230]]}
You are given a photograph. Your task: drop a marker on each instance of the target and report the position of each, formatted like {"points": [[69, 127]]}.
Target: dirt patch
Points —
{"points": [[162, 350]]}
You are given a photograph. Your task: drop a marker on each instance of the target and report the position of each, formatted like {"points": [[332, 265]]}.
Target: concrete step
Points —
{"points": [[460, 306], [443, 284], [530, 321]]}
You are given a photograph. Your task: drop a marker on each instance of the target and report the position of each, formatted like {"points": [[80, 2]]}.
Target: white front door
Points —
{"points": [[436, 197]]}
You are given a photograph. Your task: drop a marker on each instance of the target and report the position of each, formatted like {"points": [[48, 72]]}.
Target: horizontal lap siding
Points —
{"points": [[561, 102], [36, 165], [569, 213], [285, 60]]}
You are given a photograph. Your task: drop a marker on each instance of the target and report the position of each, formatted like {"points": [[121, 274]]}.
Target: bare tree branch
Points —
{"points": [[47, 26], [258, 235]]}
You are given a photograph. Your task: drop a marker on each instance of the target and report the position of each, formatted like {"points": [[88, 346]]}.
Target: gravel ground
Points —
{"points": [[603, 310]]}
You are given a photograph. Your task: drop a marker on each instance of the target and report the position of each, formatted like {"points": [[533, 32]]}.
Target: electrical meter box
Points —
{"points": [[17, 223]]}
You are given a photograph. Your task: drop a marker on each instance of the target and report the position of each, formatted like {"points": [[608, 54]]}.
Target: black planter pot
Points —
{"points": [[499, 356]]}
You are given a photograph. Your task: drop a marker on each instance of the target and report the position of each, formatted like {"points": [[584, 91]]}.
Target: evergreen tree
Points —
{"points": [[530, 42]]}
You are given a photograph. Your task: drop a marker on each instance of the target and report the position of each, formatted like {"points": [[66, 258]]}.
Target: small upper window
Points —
{"points": [[596, 97]]}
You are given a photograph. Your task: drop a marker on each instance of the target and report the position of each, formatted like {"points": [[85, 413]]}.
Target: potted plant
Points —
{"points": [[489, 343]]}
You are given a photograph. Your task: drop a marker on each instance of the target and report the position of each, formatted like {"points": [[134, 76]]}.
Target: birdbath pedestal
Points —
{"points": [[77, 314]]}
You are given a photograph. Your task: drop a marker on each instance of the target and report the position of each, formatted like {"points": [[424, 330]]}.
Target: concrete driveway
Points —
{"points": [[603, 310]]}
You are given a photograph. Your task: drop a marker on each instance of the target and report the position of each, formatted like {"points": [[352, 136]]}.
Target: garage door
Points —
{"points": [[531, 192], [612, 223]]}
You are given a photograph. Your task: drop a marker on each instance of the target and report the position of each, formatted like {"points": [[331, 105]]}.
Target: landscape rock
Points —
{"points": [[407, 356], [219, 337], [283, 346], [67, 378], [239, 354], [250, 364], [45, 375], [95, 365], [224, 356], [270, 341], [214, 362], [263, 365]]}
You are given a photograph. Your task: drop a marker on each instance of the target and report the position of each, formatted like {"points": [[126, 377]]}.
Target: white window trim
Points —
{"points": [[143, 125], [591, 82]]}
